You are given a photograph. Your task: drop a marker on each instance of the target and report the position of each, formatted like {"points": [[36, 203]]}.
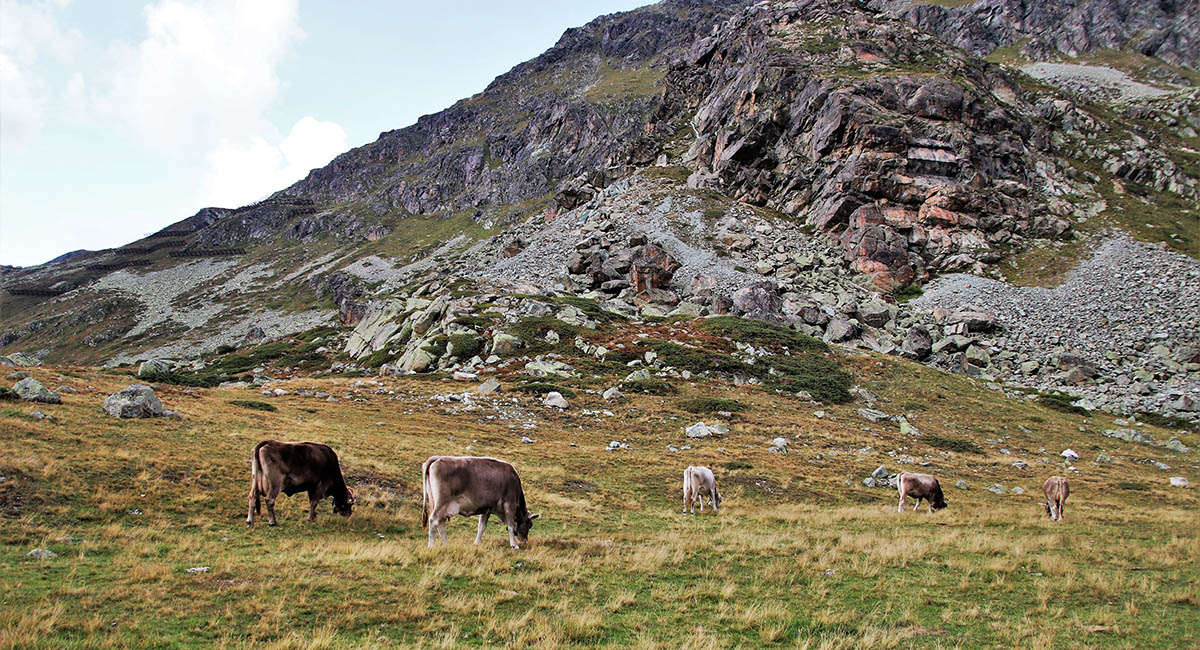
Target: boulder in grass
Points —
{"points": [[32, 390], [135, 401], [153, 368]]}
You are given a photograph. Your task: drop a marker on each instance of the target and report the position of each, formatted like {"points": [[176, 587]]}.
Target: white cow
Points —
{"points": [[698, 482]]}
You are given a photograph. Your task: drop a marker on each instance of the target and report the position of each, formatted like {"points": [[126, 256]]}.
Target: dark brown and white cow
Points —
{"points": [[1056, 491], [291, 467], [698, 482], [920, 486], [469, 486]]}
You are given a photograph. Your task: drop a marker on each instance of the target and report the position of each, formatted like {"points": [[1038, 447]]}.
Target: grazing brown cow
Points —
{"points": [[469, 486], [697, 482], [292, 467], [920, 486], [1056, 491]]}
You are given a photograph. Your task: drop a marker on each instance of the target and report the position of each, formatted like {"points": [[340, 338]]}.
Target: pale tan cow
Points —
{"points": [[469, 486], [698, 482], [1056, 491]]}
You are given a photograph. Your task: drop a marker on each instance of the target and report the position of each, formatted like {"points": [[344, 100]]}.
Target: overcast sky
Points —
{"points": [[118, 117]]}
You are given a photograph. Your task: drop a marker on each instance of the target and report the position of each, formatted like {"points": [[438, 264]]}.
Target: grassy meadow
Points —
{"points": [[802, 555]]}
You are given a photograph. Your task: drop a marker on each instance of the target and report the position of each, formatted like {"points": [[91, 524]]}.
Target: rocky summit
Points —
{"points": [[999, 189]]}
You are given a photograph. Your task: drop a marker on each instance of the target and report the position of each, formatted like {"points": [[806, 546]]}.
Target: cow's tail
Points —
{"points": [[425, 493], [255, 463]]}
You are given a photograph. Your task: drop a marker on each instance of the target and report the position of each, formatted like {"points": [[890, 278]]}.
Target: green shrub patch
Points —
{"points": [[253, 405]]}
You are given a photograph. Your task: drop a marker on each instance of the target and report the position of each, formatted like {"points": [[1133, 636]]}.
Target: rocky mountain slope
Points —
{"points": [[812, 164]]}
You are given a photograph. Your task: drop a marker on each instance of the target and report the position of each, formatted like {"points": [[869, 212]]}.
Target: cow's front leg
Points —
{"points": [[900, 508], [432, 531], [919, 505], [483, 520], [512, 539]]}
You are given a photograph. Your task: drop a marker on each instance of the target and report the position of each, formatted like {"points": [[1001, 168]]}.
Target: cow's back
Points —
{"points": [[480, 478], [301, 464]]}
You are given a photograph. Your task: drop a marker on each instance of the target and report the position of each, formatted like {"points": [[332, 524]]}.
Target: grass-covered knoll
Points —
{"points": [[757, 332], [253, 405], [542, 387], [795, 558]]}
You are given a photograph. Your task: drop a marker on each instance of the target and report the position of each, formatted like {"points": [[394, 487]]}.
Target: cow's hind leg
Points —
{"points": [[255, 505], [442, 529], [483, 520], [273, 489]]}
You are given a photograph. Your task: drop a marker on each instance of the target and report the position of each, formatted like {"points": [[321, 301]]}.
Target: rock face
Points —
{"points": [[32, 390], [1166, 29], [134, 401], [912, 172]]}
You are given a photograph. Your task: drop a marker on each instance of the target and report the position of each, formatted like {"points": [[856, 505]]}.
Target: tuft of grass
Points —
{"points": [[253, 405], [648, 387], [1165, 421], [907, 292], [953, 444], [465, 345], [738, 464], [1062, 402], [757, 332], [711, 405], [1133, 486], [541, 388]]}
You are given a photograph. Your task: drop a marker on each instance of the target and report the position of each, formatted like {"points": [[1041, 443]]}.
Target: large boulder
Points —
{"points": [[839, 330], [154, 368], [416, 359], [32, 390], [504, 345], [760, 300], [875, 313], [918, 343], [651, 268], [134, 401], [19, 359]]}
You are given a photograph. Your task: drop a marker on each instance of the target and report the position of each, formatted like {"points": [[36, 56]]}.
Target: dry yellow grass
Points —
{"points": [[795, 558]]}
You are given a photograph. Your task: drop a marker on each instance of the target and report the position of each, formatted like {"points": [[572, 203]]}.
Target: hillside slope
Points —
{"points": [[811, 164]]}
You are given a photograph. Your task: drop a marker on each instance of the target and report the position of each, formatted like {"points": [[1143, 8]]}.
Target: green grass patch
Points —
{"points": [[478, 323], [1133, 486], [711, 405], [953, 444], [465, 346], [253, 405], [738, 464]]}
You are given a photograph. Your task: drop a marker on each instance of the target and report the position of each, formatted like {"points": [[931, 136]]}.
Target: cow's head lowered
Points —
{"points": [[521, 530], [344, 504], [939, 499]]}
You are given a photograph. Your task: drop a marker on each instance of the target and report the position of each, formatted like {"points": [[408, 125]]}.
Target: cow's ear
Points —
{"points": [[532, 517]]}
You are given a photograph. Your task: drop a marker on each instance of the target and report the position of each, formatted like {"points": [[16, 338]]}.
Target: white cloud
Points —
{"points": [[205, 71], [29, 35], [248, 169]]}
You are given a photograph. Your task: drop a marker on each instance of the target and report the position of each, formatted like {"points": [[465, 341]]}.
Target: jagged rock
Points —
{"points": [[874, 415], [545, 367], [505, 345], [918, 342], [840, 329], [134, 401], [555, 399], [698, 430], [875, 313], [32, 390], [960, 484], [760, 300], [652, 268], [975, 321], [778, 445], [154, 368], [19, 359], [416, 359], [880, 472], [41, 554], [488, 387], [1175, 444]]}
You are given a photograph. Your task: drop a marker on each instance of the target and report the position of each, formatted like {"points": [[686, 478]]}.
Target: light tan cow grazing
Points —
{"points": [[473, 485], [1056, 491], [698, 482], [920, 486]]}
